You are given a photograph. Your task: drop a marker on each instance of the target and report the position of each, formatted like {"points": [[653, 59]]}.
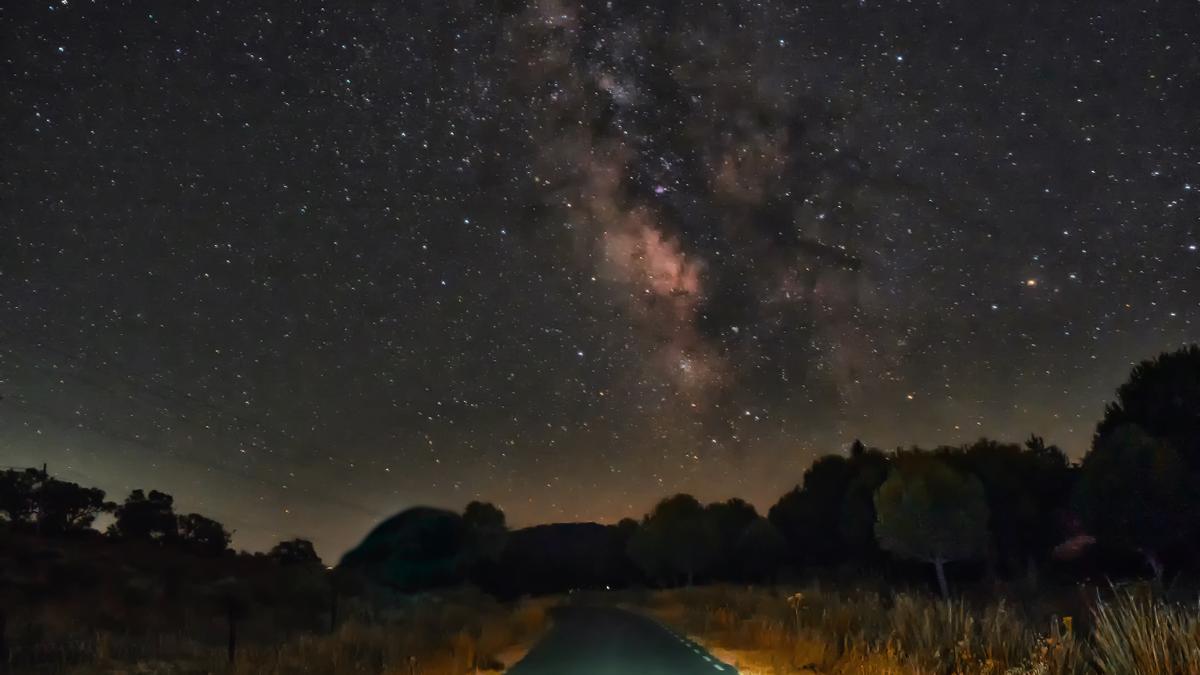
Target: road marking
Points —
{"points": [[707, 658], [718, 666]]}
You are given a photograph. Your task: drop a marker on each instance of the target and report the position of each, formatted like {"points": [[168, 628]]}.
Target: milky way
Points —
{"points": [[305, 266]]}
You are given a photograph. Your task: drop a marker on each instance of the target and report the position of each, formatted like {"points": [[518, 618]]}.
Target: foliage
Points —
{"points": [[30, 498], [1134, 491], [676, 542], [759, 550], [203, 535], [1161, 398], [485, 532], [857, 519], [927, 511], [17, 503], [146, 517], [1026, 488], [294, 552], [804, 515], [729, 520]]}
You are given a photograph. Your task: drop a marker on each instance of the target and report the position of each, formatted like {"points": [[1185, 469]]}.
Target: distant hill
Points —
{"points": [[416, 549]]}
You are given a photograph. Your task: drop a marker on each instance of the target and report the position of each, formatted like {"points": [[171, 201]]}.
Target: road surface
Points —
{"points": [[608, 641]]}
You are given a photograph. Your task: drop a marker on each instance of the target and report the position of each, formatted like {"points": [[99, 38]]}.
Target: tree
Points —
{"points": [[729, 520], [1134, 492], [17, 504], [760, 550], [809, 516], [149, 518], [486, 531], [1026, 487], [31, 498], [1162, 397], [294, 552], [676, 541], [203, 535], [64, 507], [927, 511], [857, 526]]}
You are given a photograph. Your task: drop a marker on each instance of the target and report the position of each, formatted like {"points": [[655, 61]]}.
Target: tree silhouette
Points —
{"points": [[760, 550], [17, 503], [929, 512], [857, 525], [809, 516], [1134, 491], [1162, 396], [729, 520], [294, 552], [486, 531], [30, 498], [203, 535], [1025, 487], [676, 541], [146, 517], [64, 507]]}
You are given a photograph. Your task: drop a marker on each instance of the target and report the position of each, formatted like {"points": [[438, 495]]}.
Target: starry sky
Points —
{"points": [[305, 264]]}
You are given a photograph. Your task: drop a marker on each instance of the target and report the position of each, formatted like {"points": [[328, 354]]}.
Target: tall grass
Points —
{"points": [[436, 635], [1140, 635], [913, 634]]}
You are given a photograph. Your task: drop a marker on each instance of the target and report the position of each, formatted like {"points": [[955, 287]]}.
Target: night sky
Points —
{"points": [[305, 264]]}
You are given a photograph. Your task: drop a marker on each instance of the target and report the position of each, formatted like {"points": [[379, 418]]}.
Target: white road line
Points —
{"points": [[718, 666], [707, 658]]}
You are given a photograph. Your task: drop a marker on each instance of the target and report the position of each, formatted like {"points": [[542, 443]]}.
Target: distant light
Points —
{"points": [[1031, 283]]}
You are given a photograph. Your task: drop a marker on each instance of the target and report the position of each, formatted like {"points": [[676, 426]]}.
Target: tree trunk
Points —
{"points": [[333, 612], [940, 566], [232, 634]]}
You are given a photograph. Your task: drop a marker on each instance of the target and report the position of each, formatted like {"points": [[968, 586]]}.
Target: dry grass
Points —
{"points": [[454, 634], [769, 632], [1140, 635]]}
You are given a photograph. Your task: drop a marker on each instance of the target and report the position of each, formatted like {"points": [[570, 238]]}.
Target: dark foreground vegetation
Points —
{"points": [[1034, 554]]}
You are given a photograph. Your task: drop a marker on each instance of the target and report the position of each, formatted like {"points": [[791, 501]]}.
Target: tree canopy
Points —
{"points": [[927, 511], [31, 498], [1135, 492], [294, 552], [203, 535], [146, 517], [677, 541], [1162, 397]]}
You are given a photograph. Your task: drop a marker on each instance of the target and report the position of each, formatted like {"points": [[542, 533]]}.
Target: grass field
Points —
{"points": [[765, 631], [453, 633]]}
